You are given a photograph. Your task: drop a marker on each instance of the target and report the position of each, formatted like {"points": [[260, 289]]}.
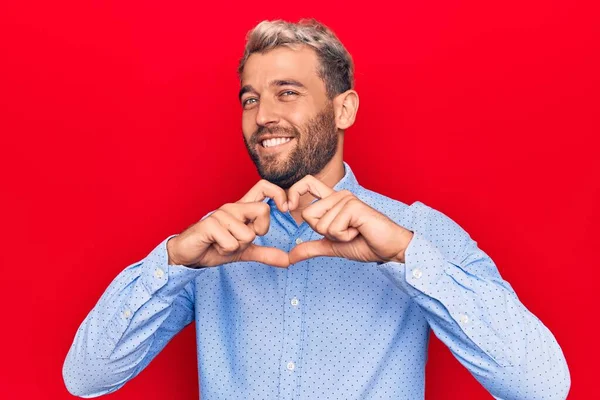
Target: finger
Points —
{"points": [[242, 232], [224, 242], [311, 249], [330, 227], [342, 226], [256, 215], [308, 184], [266, 255], [317, 210], [264, 189]]}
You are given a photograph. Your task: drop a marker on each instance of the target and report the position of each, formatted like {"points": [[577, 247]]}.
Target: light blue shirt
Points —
{"points": [[324, 328]]}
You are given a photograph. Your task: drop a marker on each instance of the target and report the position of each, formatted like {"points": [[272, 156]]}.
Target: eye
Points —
{"points": [[288, 93], [249, 101]]}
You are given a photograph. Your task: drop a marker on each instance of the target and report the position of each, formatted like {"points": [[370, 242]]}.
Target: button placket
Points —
{"points": [[294, 291]]}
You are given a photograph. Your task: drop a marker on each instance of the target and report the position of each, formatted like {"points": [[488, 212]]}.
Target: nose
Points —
{"points": [[267, 114]]}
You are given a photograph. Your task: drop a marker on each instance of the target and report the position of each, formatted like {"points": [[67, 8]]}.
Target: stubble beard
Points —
{"points": [[315, 146]]}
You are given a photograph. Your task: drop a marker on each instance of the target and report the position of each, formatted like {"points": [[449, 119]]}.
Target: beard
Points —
{"points": [[316, 144]]}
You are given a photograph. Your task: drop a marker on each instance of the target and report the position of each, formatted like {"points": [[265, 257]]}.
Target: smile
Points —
{"points": [[275, 142]]}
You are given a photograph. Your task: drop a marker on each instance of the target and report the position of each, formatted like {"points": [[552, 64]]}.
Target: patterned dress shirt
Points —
{"points": [[324, 328]]}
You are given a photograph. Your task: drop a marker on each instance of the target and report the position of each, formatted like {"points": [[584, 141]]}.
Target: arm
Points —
{"points": [[150, 302], [475, 312], [144, 307]]}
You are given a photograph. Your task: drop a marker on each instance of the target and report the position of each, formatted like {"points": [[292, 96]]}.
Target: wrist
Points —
{"points": [[170, 252], [406, 237]]}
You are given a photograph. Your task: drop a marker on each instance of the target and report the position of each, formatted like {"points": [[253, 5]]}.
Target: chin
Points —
{"points": [[280, 177]]}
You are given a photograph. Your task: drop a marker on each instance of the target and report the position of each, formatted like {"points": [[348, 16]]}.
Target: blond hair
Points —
{"points": [[336, 67]]}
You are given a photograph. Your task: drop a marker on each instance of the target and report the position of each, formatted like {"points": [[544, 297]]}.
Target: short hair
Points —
{"points": [[336, 66]]}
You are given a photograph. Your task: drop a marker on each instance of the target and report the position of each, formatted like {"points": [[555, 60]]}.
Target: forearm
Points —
{"points": [[477, 314], [140, 311]]}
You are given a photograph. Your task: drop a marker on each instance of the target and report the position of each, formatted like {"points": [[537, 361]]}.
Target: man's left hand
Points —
{"points": [[351, 228]]}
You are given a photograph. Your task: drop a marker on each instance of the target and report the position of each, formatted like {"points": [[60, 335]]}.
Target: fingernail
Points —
{"points": [[285, 206]]}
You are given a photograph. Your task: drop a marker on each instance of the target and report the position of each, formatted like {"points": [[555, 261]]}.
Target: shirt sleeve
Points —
{"points": [[143, 308], [475, 312]]}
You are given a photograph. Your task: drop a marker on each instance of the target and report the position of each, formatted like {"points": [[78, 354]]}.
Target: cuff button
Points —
{"points": [[417, 273]]}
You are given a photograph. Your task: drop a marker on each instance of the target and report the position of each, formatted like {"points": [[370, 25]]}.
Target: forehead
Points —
{"points": [[300, 63]]}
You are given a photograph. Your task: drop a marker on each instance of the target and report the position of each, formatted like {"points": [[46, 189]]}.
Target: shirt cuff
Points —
{"points": [[427, 275], [158, 276], [424, 265], [157, 279]]}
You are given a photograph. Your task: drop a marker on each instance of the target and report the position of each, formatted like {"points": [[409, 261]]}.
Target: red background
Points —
{"points": [[120, 125]]}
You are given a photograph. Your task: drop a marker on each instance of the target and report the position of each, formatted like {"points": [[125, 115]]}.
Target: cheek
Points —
{"points": [[248, 124], [297, 118]]}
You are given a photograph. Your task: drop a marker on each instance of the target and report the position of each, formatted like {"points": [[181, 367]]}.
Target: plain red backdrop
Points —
{"points": [[120, 125]]}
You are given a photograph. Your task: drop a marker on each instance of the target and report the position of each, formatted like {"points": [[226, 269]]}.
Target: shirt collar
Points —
{"points": [[347, 182]]}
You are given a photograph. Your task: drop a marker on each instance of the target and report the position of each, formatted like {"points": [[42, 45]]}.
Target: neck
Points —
{"points": [[330, 175]]}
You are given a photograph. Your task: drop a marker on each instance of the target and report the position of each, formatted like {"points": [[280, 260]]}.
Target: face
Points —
{"points": [[288, 121]]}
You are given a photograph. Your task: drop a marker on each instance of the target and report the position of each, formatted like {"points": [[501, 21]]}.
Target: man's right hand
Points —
{"points": [[227, 234]]}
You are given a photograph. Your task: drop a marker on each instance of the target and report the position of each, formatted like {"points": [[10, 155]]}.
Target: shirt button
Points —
{"points": [[291, 366], [464, 319], [298, 240], [417, 273], [294, 302], [126, 314], [159, 273]]}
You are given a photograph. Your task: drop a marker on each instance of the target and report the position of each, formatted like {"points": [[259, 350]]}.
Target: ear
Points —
{"points": [[345, 106]]}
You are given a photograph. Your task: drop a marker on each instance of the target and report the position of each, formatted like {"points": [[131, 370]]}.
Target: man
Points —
{"points": [[359, 280]]}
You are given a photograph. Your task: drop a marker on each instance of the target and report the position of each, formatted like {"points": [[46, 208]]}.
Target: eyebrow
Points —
{"points": [[277, 82], [244, 90]]}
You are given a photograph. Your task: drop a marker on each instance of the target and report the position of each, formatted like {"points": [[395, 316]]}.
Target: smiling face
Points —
{"points": [[288, 121]]}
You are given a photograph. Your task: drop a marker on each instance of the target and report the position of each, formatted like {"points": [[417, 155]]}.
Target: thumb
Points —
{"points": [[266, 255], [311, 249]]}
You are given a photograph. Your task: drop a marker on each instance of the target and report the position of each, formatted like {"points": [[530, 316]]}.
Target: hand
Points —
{"points": [[351, 228], [227, 234]]}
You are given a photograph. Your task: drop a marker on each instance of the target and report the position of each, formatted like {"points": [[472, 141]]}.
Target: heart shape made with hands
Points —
{"points": [[350, 228]]}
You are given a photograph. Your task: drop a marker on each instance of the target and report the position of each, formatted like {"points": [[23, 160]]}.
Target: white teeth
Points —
{"points": [[275, 142]]}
